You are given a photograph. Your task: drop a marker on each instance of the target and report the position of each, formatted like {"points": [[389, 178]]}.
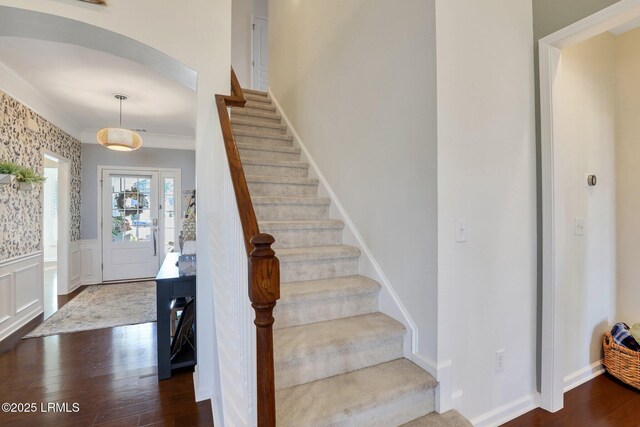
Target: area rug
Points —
{"points": [[102, 306]]}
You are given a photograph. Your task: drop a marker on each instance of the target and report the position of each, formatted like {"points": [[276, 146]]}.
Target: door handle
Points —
{"points": [[155, 246]]}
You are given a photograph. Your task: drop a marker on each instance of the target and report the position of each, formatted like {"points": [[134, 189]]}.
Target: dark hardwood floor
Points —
{"points": [[109, 373], [603, 401]]}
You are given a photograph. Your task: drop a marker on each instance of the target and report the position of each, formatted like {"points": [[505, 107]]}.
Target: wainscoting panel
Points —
{"points": [[6, 301], [90, 262], [74, 265], [21, 292]]}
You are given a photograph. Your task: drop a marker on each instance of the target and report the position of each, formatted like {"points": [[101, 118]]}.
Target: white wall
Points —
{"points": [[94, 155], [486, 175], [585, 111], [362, 98], [628, 176], [198, 34], [243, 12]]}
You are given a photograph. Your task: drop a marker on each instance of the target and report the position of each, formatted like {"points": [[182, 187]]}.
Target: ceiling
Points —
{"points": [[81, 82]]}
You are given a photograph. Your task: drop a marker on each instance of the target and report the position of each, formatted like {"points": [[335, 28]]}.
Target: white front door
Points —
{"points": [[130, 242], [260, 54]]}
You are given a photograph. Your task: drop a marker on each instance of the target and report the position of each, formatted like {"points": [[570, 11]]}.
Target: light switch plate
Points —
{"points": [[578, 226]]}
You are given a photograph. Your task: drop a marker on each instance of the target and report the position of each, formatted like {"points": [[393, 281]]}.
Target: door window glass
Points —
{"points": [[130, 208]]}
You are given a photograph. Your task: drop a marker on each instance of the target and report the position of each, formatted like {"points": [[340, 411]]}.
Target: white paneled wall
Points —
{"points": [[21, 288], [234, 317]]}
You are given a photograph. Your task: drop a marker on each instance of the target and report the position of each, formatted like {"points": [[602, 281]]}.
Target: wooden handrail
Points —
{"points": [[264, 267]]}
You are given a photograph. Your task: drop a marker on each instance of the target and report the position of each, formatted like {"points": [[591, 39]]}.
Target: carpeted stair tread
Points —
{"points": [[382, 395], [252, 103], [311, 224], [448, 419], [255, 92], [262, 147], [326, 288], [269, 179], [278, 200], [315, 253], [322, 337], [249, 112], [312, 301], [275, 162], [248, 122], [257, 98], [265, 135], [321, 350]]}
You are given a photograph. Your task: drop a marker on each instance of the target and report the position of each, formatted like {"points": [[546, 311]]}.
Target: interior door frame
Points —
{"points": [[550, 47], [63, 249], [160, 171], [251, 58]]}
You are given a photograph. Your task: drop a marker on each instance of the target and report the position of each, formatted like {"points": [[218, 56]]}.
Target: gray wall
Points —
{"points": [[550, 16], [94, 155]]}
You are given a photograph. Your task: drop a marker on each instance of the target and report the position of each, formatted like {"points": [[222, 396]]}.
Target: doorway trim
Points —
{"points": [[550, 47], [63, 249], [99, 172]]}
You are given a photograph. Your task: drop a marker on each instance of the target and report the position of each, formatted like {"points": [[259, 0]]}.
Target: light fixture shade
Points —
{"points": [[119, 139]]}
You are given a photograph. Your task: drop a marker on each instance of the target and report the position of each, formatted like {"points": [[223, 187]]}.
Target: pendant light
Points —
{"points": [[119, 139]]}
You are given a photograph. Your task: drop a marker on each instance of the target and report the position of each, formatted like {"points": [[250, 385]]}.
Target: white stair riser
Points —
{"points": [[281, 212], [305, 312], [296, 271], [256, 119], [336, 361], [269, 170], [267, 155], [258, 128], [305, 238], [287, 190], [271, 142]]}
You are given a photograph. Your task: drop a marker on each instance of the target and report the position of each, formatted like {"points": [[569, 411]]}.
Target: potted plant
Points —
{"points": [[28, 178], [8, 172]]}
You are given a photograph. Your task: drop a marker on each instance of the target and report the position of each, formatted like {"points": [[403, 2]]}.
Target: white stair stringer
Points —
{"points": [[338, 359]]}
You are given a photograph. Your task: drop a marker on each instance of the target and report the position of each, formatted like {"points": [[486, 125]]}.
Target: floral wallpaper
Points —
{"points": [[21, 211]]}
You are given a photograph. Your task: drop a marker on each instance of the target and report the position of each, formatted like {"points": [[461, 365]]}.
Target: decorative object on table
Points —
{"points": [[189, 229], [184, 332], [102, 306], [119, 139], [181, 240], [187, 265], [619, 360], [189, 203]]}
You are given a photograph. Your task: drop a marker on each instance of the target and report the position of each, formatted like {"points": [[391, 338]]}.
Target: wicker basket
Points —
{"points": [[621, 362]]}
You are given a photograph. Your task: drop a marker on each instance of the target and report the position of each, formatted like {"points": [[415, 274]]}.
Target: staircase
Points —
{"points": [[338, 361]]}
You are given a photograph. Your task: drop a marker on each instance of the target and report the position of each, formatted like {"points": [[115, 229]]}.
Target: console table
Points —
{"points": [[170, 286]]}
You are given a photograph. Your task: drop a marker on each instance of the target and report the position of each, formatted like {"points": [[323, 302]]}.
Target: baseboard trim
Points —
{"points": [[507, 412], [10, 342], [583, 375]]}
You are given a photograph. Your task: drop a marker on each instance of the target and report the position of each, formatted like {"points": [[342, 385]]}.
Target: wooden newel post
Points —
{"points": [[264, 291]]}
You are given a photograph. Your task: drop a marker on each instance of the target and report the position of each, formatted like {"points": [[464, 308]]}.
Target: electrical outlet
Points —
{"points": [[500, 360]]}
